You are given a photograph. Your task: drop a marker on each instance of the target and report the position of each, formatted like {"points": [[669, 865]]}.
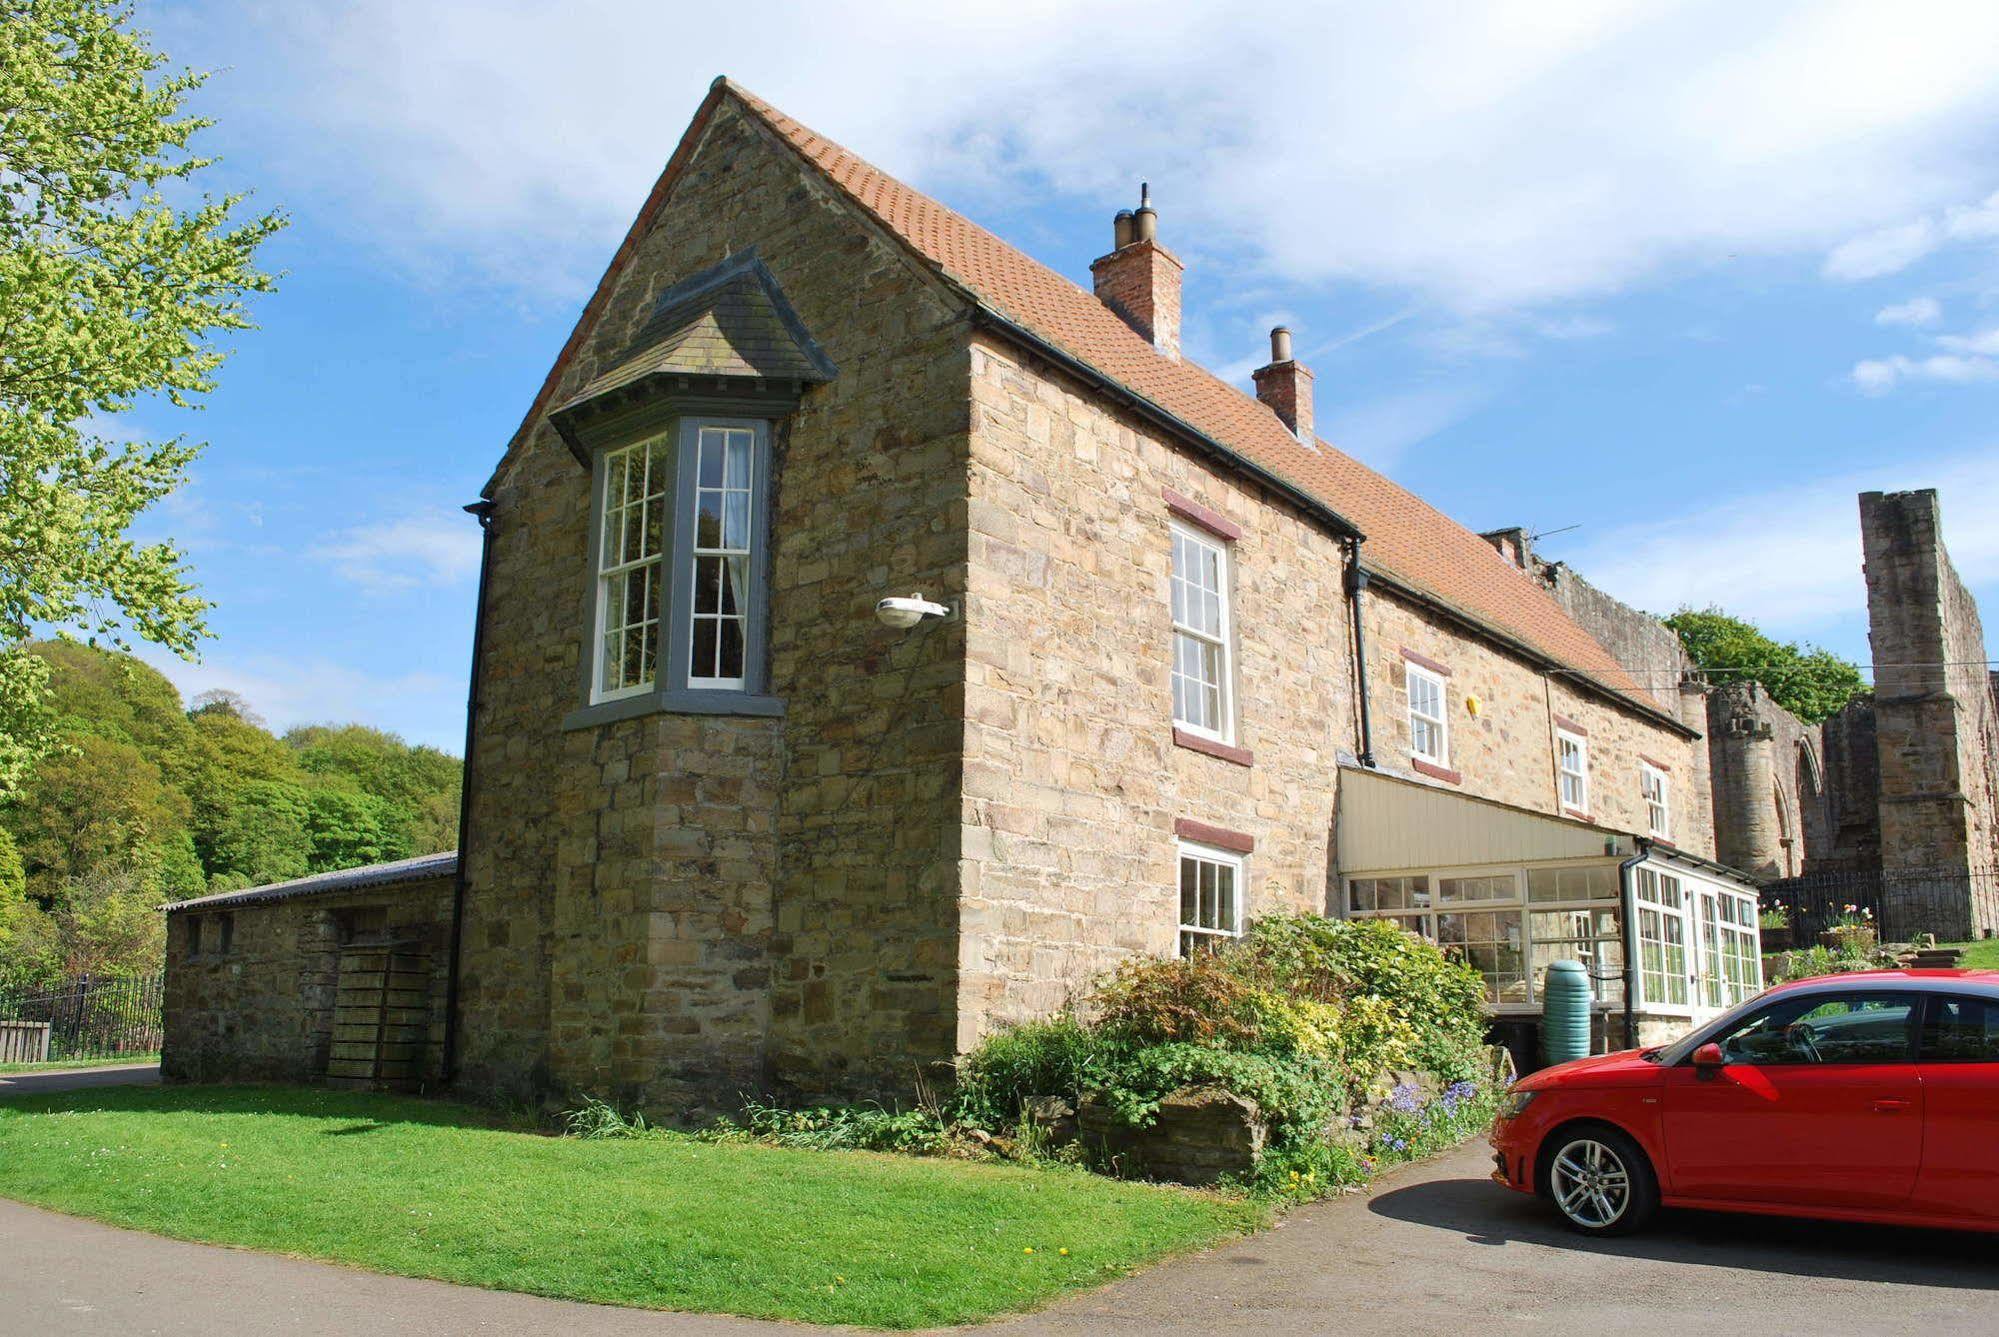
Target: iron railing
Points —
{"points": [[1903, 904], [93, 1018]]}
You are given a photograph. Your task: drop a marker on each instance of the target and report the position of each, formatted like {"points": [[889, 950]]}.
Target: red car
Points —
{"points": [[1864, 1097]]}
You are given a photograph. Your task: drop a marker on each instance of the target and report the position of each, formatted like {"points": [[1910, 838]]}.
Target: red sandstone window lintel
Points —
{"points": [[1219, 836], [1567, 725], [1195, 513], [1425, 662]]}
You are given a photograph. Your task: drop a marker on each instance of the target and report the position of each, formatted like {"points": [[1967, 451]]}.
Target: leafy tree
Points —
{"points": [[263, 835], [16, 911], [1809, 681], [106, 922], [350, 830], [108, 293], [99, 805]]}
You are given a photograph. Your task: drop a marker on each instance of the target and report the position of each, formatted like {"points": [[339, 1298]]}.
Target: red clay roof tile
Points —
{"points": [[1408, 540]]}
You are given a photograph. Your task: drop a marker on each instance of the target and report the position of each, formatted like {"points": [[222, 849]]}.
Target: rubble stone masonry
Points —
{"points": [[1935, 726], [677, 909], [261, 1008]]}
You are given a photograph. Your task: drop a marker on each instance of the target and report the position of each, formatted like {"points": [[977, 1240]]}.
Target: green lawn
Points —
{"points": [[1980, 955], [70, 1064], [435, 1190]]}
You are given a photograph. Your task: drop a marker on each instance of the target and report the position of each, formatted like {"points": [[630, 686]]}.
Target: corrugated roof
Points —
{"points": [[1410, 542], [421, 868]]}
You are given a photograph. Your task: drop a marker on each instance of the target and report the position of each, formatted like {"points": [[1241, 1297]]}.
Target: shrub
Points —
{"points": [[596, 1119], [840, 1128], [1016, 1066], [1301, 1016]]}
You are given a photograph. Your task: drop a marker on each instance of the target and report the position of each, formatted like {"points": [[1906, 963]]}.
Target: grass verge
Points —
{"points": [[427, 1189], [1982, 954], [73, 1064]]}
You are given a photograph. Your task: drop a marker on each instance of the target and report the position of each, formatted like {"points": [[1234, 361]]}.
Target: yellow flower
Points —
{"points": [[1028, 1249], [1063, 1252]]}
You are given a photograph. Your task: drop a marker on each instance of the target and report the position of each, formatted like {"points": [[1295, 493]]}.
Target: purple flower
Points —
{"points": [[1405, 1098]]}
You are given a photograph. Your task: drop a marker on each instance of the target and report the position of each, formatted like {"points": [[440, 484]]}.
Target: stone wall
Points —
{"points": [[262, 1010], [1936, 730], [1853, 792], [1507, 750], [1074, 781], [676, 909], [1772, 808]]}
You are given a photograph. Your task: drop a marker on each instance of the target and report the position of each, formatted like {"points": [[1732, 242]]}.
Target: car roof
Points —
{"points": [[1923, 981]]}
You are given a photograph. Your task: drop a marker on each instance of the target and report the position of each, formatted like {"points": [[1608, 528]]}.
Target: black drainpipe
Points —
{"points": [[1356, 586], [483, 511], [1627, 895]]}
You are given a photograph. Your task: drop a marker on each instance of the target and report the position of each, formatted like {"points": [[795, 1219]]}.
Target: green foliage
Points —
{"points": [[1302, 1016], [838, 1128], [147, 801], [1809, 681], [1014, 1066], [597, 1120], [108, 294]]}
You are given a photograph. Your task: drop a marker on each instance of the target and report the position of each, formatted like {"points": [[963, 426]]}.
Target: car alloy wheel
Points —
{"points": [[1590, 1183]]}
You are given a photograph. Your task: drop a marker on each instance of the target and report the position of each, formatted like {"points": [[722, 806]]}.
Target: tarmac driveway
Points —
{"points": [[1437, 1249]]}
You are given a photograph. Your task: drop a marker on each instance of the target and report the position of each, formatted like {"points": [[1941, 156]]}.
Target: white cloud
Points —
{"points": [[1877, 376], [1984, 342], [1801, 576], [1891, 250], [1915, 311], [1499, 155], [1887, 251], [437, 547]]}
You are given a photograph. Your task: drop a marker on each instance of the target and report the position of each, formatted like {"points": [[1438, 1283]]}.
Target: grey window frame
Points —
{"points": [[670, 692]]}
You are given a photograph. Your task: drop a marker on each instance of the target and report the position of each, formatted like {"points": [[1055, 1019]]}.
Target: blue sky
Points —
{"points": [[1684, 276]]}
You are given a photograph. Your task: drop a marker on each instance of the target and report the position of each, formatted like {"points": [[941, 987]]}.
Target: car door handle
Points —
{"points": [[1891, 1106]]}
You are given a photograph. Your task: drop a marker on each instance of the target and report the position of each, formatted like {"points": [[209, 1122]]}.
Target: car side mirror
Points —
{"points": [[1708, 1058]]}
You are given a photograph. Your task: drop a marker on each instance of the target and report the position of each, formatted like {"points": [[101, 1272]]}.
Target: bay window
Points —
{"points": [[679, 537]]}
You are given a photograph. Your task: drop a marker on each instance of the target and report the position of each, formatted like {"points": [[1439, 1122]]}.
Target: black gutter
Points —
{"points": [[1357, 586], [1539, 657], [1627, 893], [483, 511], [1163, 418]]}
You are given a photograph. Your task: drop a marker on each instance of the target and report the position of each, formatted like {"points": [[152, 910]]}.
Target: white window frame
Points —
{"points": [[1238, 866], [1659, 805], [746, 595], [1580, 774], [662, 470], [1223, 640], [1440, 722]]}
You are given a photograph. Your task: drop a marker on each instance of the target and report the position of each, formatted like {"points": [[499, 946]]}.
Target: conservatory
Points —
{"points": [[1667, 939]]}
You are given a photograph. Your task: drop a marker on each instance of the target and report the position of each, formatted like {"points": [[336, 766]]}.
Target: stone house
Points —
{"points": [[732, 826]]}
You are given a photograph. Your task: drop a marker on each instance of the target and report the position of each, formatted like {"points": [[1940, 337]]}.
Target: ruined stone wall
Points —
{"points": [[1936, 731], [1852, 841], [1074, 782], [678, 909], [1507, 750], [262, 1010], [1772, 808]]}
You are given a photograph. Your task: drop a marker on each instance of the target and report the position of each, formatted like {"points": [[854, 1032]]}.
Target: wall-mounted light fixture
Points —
{"points": [[902, 613]]}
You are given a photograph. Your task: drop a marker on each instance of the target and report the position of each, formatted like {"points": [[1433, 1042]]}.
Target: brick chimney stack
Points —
{"points": [[1286, 386], [1140, 279]]}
